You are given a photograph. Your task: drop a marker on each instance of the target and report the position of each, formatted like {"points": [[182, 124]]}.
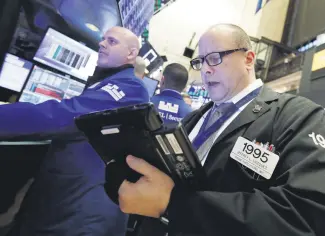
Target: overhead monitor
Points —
{"points": [[136, 15], [151, 85], [67, 55], [14, 72], [43, 85], [151, 57]]}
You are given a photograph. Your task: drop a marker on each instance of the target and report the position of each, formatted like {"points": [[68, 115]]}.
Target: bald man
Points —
{"points": [[68, 197], [263, 154]]}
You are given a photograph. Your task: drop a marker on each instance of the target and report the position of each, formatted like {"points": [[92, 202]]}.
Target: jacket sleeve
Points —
{"points": [[51, 117], [294, 205]]}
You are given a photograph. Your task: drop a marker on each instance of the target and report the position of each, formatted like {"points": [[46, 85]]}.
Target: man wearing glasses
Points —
{"points": [[263, 153]]}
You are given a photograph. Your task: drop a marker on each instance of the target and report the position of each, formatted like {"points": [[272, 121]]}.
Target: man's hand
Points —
{"points": [[150, 195]]}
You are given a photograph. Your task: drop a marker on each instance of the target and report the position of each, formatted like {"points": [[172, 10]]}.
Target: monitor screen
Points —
{"points": [[135, 15], [44, 85], [67, 55], [151, 85], [14, 72]]}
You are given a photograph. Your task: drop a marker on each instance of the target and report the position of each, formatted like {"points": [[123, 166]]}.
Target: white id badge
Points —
{"points": [[253, 156]]}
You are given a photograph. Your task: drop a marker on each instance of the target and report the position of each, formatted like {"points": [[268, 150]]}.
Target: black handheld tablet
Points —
{"points": [[139, 131]]}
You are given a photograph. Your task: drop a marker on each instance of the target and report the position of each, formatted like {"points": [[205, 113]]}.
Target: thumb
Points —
{"points": [[141, 166], [125, 187]]}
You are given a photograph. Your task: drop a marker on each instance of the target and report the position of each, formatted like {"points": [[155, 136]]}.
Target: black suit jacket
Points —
{"points": [[235, 203]]}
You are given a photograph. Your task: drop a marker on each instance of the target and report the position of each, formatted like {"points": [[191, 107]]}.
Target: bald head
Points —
{"points": [[233, 33], [119, 47], [127, 36]]}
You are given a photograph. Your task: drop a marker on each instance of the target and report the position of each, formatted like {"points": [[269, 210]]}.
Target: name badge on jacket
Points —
{"points": [[255, 157]]}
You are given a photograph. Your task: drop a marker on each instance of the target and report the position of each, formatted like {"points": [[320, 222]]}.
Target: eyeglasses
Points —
{"points": [[213, 58]]}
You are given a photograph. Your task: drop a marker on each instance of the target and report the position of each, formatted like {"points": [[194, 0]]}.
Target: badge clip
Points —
{"points": [[257, 108]]}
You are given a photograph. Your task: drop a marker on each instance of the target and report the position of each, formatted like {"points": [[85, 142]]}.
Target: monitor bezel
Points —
{"points": [[156, 85], [45, 67], [27, 77], [68, 36]]}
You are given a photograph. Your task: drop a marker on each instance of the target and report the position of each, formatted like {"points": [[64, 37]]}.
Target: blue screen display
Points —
{"points": [[151, 85]]}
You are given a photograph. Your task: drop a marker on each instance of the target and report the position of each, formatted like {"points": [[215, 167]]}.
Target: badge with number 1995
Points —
{"points": [[255, 157]]}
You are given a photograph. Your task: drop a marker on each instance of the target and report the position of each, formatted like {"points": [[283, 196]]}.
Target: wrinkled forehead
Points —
{"points": [[215, 42]]}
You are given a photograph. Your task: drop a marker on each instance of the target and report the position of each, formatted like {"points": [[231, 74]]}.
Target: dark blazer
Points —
{"points": [[235, 203]]}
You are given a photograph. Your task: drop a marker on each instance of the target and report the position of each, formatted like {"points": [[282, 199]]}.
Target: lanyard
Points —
{"points": [[204, 133]]}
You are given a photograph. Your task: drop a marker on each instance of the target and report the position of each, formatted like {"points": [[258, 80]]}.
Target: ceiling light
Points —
{"points": [[92, 27]]}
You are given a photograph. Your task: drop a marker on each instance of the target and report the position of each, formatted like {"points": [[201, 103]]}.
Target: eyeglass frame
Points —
{"points": [[222, 54]]}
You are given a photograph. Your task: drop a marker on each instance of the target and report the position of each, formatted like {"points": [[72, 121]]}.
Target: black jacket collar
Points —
{"points": [[102, 73]]}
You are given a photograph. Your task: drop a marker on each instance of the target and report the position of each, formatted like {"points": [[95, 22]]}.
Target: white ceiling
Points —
{"points": [[171, 29]]}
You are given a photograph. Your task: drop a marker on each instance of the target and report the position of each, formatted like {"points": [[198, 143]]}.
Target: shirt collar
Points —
{"points": [[172, 93], [250, 88]]}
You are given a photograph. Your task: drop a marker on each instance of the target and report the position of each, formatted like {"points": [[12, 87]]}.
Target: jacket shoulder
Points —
{"points": [[293, 111], [126, 84], [297, 103], [156, 97]]}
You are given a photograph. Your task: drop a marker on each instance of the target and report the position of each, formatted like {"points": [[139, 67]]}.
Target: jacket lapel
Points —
{"points": [[255, 109], [194, 117]]}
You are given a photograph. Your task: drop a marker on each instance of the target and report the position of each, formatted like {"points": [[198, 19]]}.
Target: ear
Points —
{"points": [[250, 59], [133, 54]]}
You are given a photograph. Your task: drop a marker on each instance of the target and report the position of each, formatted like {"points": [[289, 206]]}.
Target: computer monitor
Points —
{"points": [[151, 85], [136, 15], [14, 72], [43, 85], [67, 55]]}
